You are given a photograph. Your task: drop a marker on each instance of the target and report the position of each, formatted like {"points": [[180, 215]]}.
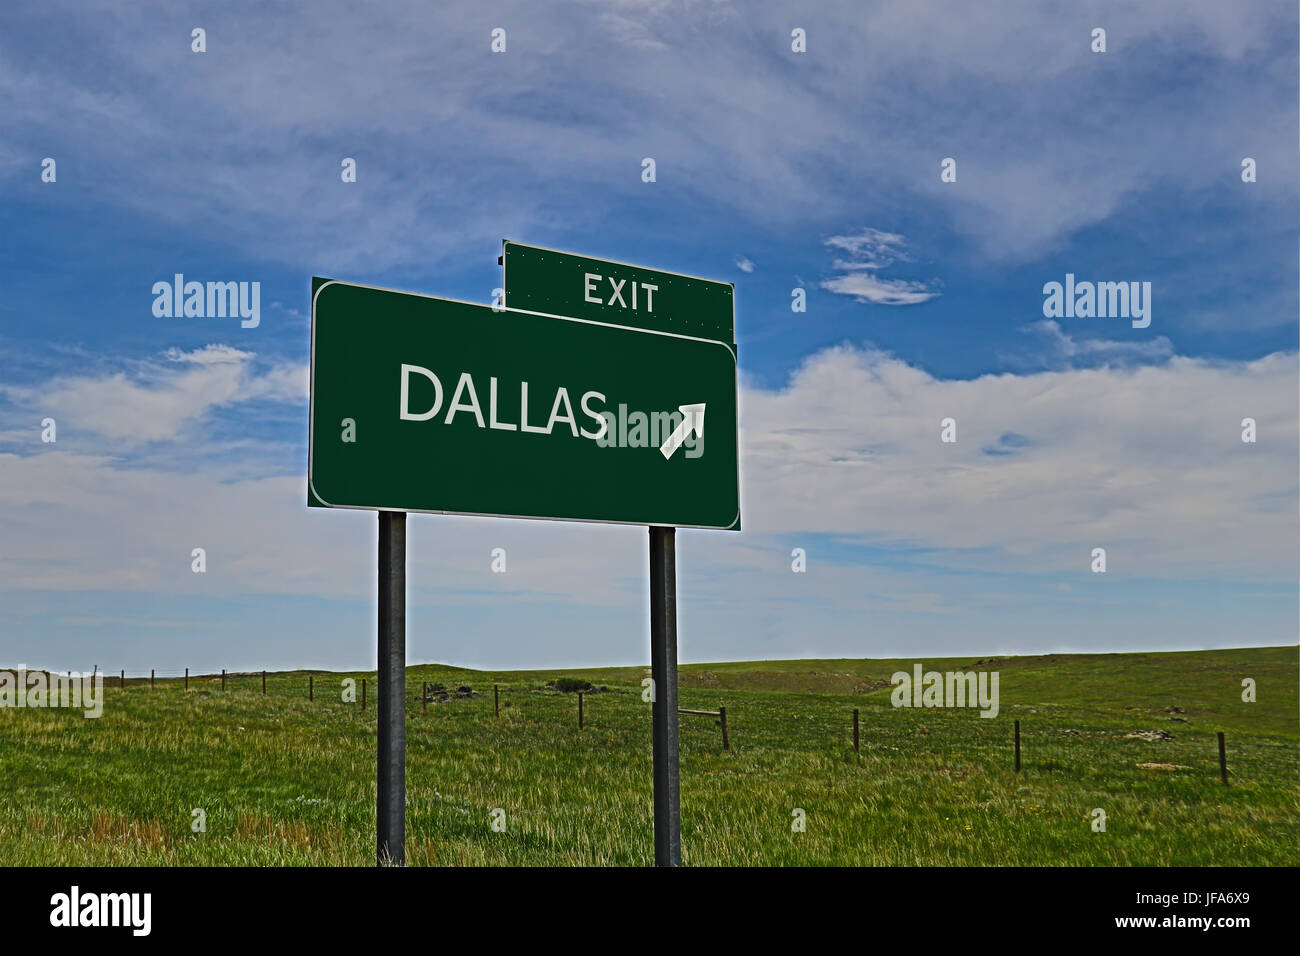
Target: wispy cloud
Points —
{"points": [[672, 80], [157, 399], [866, 252], [869, 249], [868, 288], [1062, 346]]}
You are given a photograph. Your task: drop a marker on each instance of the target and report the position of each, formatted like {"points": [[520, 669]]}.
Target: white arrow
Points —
{"points": [[692, 421]]}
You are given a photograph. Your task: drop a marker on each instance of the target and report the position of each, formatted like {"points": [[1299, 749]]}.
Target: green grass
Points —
{"points": [[285, 781]]}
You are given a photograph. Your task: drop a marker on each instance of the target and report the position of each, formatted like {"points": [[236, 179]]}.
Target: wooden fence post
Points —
{"points": [[1017, 746], [223, 678], [855, 730], [579, 710], [151, 678], [187, 678], [1223, 760], [122, 681], [496, 701], [363, 693], [311, 687], [263, 683], [720, 713], [424, 694]]}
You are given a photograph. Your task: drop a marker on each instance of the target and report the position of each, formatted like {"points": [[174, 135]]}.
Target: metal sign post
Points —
{"points": [[663, 671], [390, 810]]}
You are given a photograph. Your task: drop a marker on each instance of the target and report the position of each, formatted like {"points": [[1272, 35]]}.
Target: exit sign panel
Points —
{"points": [[601, 290]]}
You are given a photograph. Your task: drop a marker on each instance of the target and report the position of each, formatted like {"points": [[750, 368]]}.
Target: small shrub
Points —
{"points": [[570, 685]]}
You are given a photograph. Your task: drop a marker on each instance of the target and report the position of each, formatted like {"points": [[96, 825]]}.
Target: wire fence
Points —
{"points": [[950, 739]]}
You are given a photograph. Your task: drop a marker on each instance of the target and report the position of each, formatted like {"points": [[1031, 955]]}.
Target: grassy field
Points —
{"points": [[285, 781]]}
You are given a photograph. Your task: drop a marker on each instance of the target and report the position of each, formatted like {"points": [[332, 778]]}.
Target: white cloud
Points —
{"points": [[1146, 462], [208, 355], [706, 94], [285, 383], [1067, 347], [867, 288], [162, 397], [87, 522], [869, 250], [745, 264], [630, 32]]}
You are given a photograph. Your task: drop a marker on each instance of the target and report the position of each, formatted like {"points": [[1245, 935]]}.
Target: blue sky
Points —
{"points": [[775, 170]]}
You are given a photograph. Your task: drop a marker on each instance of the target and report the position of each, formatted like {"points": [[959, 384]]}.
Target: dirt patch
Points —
{"points": [[438, 694], [1162, 766]]}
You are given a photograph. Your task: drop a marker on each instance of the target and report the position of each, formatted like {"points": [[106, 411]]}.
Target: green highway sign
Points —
{"points": [[583, 397], [563, 283], [434, 405]]}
